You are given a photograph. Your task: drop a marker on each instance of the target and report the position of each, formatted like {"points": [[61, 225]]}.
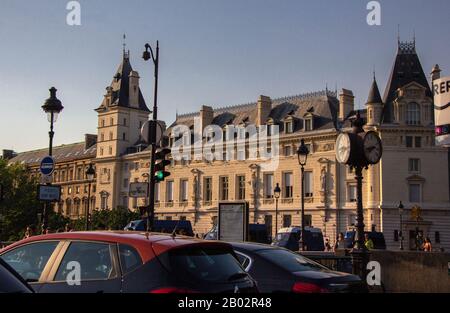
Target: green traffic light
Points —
{"points": [[159, 176]]}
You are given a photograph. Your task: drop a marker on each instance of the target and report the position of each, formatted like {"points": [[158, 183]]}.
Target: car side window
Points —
{"points": [[244, 260], [92, 259], [30, 260], [129, 258]]}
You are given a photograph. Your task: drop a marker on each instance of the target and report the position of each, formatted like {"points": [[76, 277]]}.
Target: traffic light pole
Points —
{"points": [[152, 137]]}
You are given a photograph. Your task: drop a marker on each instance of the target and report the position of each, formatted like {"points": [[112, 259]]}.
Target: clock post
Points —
{"points": [[358, 150]]}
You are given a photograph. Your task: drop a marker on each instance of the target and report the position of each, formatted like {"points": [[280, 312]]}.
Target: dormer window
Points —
{"points": [[289, 127], [308, 122]]}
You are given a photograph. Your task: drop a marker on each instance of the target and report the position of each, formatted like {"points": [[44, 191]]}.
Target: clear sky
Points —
{"points": [[213, 52]]}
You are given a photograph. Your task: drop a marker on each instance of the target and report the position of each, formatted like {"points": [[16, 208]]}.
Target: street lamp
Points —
{"points": [[90, 174], [400, 211], [276, 194], [302, 154], [147, 55], [52, 107]]}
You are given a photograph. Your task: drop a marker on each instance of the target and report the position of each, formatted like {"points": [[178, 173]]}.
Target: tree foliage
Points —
{"points": [[20, 207]]}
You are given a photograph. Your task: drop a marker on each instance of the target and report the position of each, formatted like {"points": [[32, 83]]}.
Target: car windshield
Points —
{"points": [[205, 264], [282, 236], [290, 261]]}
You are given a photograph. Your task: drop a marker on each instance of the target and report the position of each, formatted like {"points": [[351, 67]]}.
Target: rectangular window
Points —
{"points": [[125, 183], [184, 190], [289, 127], [287, 150], [240, 188], [287, 220], [418, 142], [169, 191], [414, 193], [124, 136], [308, 220], [77, 190], [409, 141], [309, 184], [268, 186], [414, 165], [308, 125], [124, 122], [208, 189], [223, 187], [351, 193], [288, 185]]}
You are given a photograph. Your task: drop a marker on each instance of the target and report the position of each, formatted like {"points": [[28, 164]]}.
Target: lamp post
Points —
{"points": [[90, 173], [302, 154], [276, 194], [400, 211], [52, 107], [147, 55]]}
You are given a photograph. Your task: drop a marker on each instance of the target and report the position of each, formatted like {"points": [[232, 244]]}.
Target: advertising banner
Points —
{"points": [[441, 91]]}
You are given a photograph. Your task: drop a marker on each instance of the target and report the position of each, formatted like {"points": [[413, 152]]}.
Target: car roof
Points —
{"points": [[140, 240], [296, 229], [252, 246]]}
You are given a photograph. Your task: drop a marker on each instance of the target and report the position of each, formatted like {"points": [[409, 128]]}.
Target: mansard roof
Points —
{"points": [[406, 69], [120, 86], [63, 153], [325, 104]]}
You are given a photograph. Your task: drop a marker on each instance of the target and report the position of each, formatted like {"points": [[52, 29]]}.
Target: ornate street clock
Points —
{"points": [[359, 149]]}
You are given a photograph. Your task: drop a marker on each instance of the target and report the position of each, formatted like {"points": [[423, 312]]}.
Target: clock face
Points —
{"points": [[343, 148], [373, 148]]}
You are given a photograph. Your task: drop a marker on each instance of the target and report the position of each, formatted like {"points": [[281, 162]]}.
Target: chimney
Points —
{"points": [[133, 93], [346, 103], [89, 140], [435, 73], [206, 116], [264, 108], [8, 154]]}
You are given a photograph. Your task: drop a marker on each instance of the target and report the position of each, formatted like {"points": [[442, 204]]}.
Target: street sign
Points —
{"points": [[233, 221], [47, 166], [138, 190], [145, 132], [49, 193]]}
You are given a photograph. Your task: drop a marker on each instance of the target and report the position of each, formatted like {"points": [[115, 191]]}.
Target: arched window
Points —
{"points": [[68, 207], [413, 114]]}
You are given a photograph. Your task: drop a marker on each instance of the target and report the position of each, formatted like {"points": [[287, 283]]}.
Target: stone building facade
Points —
{"points": [[412, 170]]}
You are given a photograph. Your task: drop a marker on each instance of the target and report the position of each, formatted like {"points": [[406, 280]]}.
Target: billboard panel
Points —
{"points": [[441, 91], [233, 221]]}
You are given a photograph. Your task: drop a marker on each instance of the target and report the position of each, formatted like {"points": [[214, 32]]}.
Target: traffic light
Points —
{"points": [[161, 163]]}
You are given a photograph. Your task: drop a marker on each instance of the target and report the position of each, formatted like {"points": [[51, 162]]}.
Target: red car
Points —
{"points": [[126, 262]]}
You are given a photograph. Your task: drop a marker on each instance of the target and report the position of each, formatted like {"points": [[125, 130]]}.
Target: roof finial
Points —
{"points": [[398, 34], [414, 37], [124, 44]]}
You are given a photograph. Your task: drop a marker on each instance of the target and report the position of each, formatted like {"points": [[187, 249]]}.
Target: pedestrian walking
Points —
{"points": [[368, 242], [427, 245], [328, 245], [340, 242]]}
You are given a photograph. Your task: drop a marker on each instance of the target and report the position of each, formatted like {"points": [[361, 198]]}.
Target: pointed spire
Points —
{"points": [[374, 93]]}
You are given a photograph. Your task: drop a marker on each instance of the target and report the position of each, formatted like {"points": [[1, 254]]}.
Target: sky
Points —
{"points": [[213, 52]]}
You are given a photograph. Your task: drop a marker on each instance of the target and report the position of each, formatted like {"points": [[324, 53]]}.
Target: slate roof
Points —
{"points": [[120, 86], [374, 93], [323, 105], [63, 153], [406, 69]]}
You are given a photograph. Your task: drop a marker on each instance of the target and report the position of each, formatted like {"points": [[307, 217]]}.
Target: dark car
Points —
{"points": [[122, 262], [10, 281], [280, 270], [256, 233], [289, 238], [162, 226], [377, 238]]}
